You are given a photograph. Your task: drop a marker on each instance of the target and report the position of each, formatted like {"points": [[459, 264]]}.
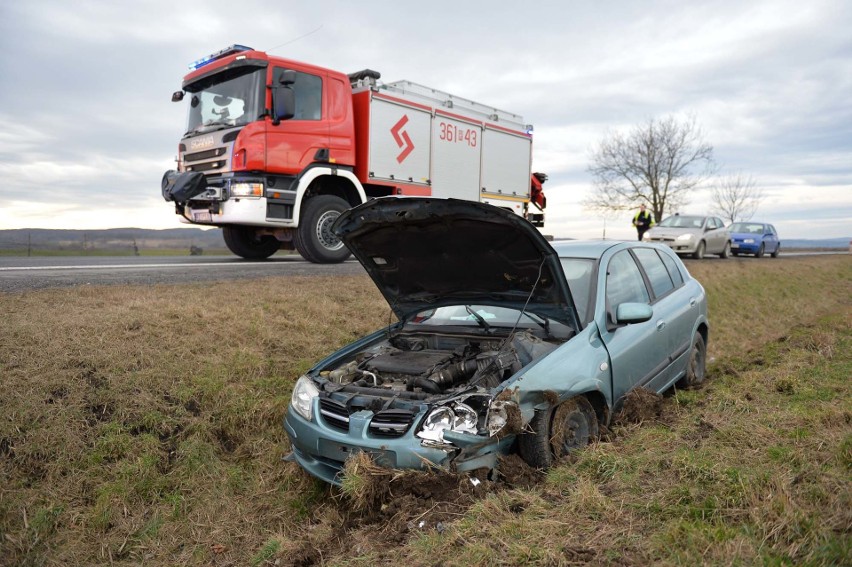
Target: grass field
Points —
{"points": [[142, 425]]}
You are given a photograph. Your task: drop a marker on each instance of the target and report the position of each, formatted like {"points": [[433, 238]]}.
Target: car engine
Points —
{"points": [[432, 363]]}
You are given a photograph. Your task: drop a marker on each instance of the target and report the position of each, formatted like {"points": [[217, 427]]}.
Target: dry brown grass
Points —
{"points": [[143, 425]]}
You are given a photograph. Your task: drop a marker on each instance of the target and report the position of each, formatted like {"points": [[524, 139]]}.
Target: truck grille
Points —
{"points": [[334, 414], [391, 423], [207, 166], [207, 154]]}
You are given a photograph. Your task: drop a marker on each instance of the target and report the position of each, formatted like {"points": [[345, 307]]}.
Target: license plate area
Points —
{"points": [[202, 216]]}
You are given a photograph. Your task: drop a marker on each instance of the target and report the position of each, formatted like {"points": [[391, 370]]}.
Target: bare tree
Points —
{"points": [[657, 163], [736, 197]]}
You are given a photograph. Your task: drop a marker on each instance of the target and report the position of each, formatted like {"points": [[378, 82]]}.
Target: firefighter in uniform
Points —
{"points": [[643, 220]]}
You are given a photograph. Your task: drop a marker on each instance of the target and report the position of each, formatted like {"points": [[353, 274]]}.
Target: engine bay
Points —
{"points": [[419, 365]]}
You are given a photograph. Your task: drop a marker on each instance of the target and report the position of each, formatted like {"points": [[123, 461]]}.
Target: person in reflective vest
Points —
{"points": [[643, 220]]}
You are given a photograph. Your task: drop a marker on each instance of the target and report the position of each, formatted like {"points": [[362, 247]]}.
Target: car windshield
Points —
{"points": [[488, 316], [578, 272], [749, 228], [682, 221], [230, 98]]}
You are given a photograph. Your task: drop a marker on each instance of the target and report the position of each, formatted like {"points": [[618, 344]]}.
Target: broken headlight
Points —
{"points": [[458, 417], [303, 397]]}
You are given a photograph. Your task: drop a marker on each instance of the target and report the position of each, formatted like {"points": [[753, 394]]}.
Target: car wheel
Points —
{"points": [[777, 251], [726, 251], [699, 252], [696, 367], [557, 431], [760, 250]]}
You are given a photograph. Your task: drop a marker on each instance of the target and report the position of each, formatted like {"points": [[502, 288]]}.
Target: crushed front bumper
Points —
{"points": [[322, 451]]}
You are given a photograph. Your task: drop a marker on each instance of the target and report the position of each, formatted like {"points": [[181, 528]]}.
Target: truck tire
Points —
{"points": [[245, 242], [314, 239]]}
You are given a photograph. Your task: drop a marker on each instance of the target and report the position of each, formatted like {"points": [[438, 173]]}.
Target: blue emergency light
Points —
{"points": [[230, 50]]}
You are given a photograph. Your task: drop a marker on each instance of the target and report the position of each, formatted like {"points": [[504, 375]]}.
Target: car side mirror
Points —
{"points": [[629, 313]]}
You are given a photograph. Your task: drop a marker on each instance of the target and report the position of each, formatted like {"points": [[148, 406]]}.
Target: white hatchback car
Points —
{"points": [[692, 235]]}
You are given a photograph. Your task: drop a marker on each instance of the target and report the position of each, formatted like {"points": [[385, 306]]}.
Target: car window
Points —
{"points": [[658, 275], [682, 221], [624, 282], [578, 272], [673, 269]]}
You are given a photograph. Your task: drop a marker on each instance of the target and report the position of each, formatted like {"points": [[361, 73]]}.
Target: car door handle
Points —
{"points": [[692, 302], [660, 325]]}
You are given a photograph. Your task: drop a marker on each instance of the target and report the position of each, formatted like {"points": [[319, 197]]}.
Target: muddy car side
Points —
{"points": [[476, 366]]}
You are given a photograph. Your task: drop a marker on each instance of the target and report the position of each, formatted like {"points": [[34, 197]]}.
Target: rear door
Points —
{"points": [[674, 312]]}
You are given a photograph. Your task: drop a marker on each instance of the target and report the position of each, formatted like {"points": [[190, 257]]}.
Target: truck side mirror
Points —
{"points": [[283, 97], [283, 104], [177, 96], [288, 77]]}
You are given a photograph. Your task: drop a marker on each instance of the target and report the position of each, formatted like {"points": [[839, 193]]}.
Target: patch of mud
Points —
{"points": [[514, 472], [378, 509], [639, 405]]}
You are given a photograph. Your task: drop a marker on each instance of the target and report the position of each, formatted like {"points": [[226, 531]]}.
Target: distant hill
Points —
{"points": [[816, 243], [119, 240]]}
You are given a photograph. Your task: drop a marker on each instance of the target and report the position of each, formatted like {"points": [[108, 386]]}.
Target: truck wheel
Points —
{"points": [[314, 239], [558, 431], [244, 241]]}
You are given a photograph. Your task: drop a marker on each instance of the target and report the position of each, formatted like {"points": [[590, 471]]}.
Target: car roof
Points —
{"points": [[583, 248]]}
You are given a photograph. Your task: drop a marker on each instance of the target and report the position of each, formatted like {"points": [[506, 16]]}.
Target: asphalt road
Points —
{"points": [[23, 274], [19, 274]]}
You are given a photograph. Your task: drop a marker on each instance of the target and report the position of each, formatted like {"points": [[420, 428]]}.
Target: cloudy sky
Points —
{"points": [[87, 126]]}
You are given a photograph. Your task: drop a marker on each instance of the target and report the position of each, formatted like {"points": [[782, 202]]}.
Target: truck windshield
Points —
{"points": [[230, 98]]}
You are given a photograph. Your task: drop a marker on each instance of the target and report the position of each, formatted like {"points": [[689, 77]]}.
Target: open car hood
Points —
{"points": [[426, 252]]}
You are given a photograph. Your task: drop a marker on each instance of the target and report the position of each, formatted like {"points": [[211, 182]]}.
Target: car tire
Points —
{"points": [[777, 251], [696, 368], [557, 431], [760, 251], [245, 242], [726, 251], [699, 252], [314, 239]]}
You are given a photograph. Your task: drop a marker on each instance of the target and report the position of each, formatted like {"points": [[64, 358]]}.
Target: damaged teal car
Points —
{"points": [[503, 343]]}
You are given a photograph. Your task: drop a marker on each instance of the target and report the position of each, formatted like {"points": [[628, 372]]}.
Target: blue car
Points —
{"points": [[754, 238], [504, 342]]}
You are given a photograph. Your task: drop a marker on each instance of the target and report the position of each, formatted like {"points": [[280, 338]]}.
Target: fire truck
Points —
{"points": [[275, 150]]}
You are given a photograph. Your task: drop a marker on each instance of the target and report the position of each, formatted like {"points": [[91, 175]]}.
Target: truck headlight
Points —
{"points": [[683, 237], [303, 397], [247, 190]]}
